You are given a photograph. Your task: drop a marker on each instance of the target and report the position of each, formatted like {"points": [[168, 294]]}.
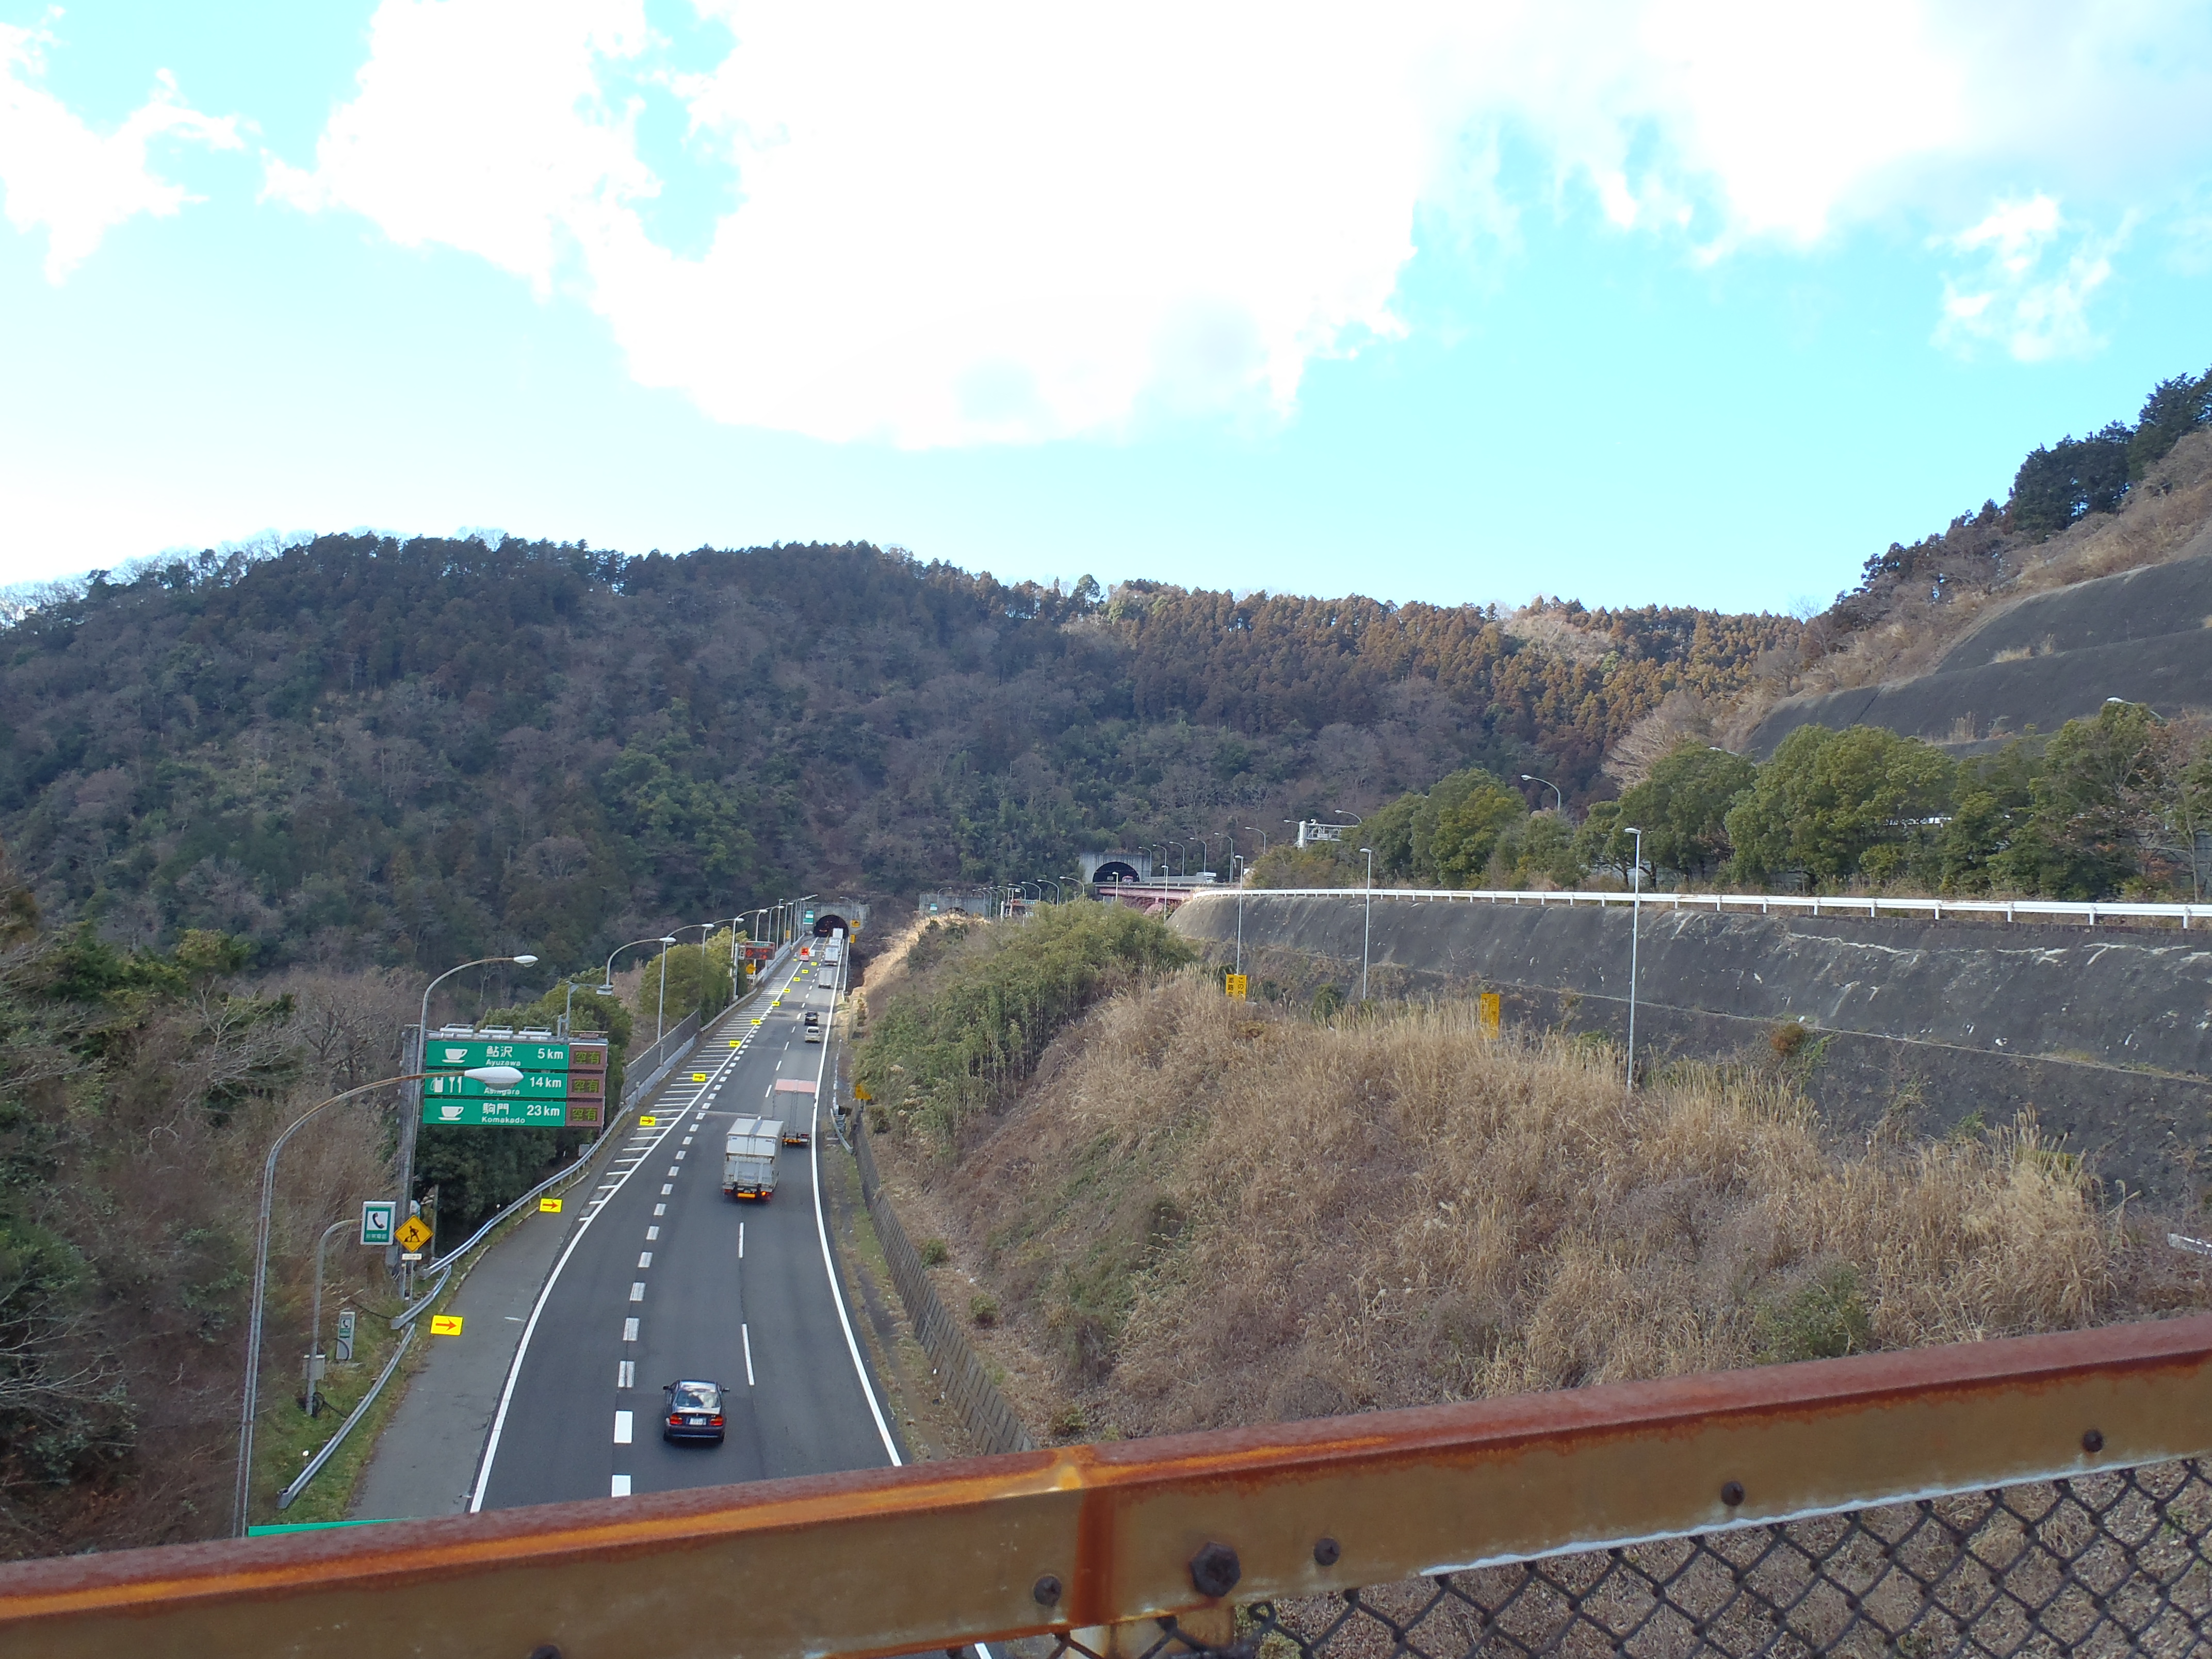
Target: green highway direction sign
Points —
{"points": [[461, 1053], [509, 1110], [535, 1086]]}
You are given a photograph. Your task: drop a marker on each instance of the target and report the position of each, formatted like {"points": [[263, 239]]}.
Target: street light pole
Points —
{"points": [[664, 940], [1635, 932], [315, 1328], [1367, 926], [705, 928], [1559, 801], [500, 1076], [408, 1120]]}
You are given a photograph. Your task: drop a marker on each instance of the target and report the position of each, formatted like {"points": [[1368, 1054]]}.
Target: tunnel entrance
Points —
{"points": [[1114, 870], [830, 922]]}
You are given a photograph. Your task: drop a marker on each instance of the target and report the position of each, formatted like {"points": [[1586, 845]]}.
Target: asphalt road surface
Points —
{"points": [[666, 1279]]}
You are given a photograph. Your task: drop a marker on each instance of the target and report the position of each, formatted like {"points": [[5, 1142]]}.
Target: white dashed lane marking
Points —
{"points": [[619, 1486], [637, 1290], [626, 1374], [629, 1330], [622, 1421], [652, 1233], [645, 1258], [746, 1331], [665, 1191]]}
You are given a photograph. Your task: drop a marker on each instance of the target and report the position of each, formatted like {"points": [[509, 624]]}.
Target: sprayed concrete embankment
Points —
{"points": [[1920, 1027]]}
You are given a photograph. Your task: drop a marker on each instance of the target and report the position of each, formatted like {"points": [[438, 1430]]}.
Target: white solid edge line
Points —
{"points": [[829, 1262], [522, 1348]]}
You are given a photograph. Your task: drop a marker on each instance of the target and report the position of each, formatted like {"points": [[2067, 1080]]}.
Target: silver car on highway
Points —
{"points": [[694, 1412]]}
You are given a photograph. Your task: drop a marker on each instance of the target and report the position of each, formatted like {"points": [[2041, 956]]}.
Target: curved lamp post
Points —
{"points": [[661, 1013], [408, 1124], [1559, 801], [664, 940], [499, 1076]]}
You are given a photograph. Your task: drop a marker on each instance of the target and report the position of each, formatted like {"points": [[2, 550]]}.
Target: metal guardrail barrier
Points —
{"points": [[2089, 913], [2000, 1497]]}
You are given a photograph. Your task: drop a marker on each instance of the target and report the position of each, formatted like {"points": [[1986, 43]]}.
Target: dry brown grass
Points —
{"points": [[1202, 1213]]}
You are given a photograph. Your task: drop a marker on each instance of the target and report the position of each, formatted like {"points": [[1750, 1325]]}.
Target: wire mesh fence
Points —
{"points": [[2109, 1564]]}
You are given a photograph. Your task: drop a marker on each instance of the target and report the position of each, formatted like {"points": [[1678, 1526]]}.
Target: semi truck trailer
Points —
{"points": [[748, 1158]]}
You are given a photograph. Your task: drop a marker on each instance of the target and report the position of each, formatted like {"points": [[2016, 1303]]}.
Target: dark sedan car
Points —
{"points": [[694, 1412]]}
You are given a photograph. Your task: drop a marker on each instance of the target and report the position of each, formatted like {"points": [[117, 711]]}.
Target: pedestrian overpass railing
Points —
{"points": [[2039, 1495]]}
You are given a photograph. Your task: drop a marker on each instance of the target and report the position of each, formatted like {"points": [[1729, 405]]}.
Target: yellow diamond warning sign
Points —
{"points": [[414, 1233]]}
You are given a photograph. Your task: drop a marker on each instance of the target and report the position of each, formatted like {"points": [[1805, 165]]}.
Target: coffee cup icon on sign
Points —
{"points": [[455, 1056], [449, 1113]]}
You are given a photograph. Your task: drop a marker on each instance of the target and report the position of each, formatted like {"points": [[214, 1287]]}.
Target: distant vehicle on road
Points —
{"points": [[748, 1158], [796, 1133], [832, 954], [813, 1027], [694, 1412]]}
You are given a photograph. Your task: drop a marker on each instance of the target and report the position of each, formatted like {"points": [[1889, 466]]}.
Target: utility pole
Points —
{"points": [[1367, 926], [1635, 932]]}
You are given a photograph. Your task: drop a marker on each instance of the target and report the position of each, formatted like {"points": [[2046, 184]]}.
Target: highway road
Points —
{"points": [[666, 1279]]}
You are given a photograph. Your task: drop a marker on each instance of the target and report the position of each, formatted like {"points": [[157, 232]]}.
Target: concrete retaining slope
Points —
{"points": [[2106, 1034], [2141, 635]]}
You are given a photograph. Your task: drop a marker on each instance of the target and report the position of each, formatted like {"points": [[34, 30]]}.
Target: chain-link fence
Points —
{"points": [[2098, 1565]]}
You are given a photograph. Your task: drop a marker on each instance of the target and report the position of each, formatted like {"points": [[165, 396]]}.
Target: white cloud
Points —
{"points": [[75, 183], [1006, 222], [2015, 299], [479, 124]]}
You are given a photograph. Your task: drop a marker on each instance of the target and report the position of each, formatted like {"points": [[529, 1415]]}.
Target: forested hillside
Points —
{"points": [[418, 751]]}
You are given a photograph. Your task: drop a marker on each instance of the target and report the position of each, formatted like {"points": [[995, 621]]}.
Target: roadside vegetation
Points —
{"points": [[139, 1092], [1202, 1212], [959, 1014], [2110, 806]]}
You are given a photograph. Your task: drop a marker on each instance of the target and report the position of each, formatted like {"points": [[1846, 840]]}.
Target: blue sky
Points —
{"points": [[1632, 301]]}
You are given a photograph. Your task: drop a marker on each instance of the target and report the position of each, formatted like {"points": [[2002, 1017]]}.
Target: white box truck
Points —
{"points": [[748, 1158]]}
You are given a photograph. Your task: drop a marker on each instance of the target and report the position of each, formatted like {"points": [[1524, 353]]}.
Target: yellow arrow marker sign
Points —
{"points": [[1235, 984], [549, 1207], [648, 1123], [698, 1077], [445, 1324], [733, 1042], [413, 1234]]}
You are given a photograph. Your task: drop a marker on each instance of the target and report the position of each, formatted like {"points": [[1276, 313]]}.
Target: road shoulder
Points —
{"points": [[426, 1457]]}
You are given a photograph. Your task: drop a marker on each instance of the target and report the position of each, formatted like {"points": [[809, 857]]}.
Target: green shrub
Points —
{"points": [[933, 1252], [981, 1003], [983, 1309], [1824, 1318]]}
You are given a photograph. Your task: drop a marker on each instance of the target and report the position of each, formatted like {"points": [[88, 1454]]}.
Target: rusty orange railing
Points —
{"points": [[936, 1555]]}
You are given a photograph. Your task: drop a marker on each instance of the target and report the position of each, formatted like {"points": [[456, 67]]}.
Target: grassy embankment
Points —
{"points": [[1196, 1213]]}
